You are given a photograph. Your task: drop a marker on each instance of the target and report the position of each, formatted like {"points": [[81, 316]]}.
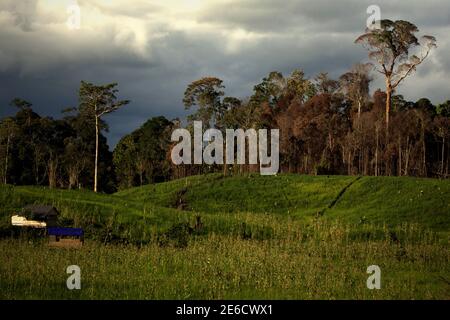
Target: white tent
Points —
{"points": [[23, 222]]}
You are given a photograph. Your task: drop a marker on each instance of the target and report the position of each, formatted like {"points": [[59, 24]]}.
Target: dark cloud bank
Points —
{"points": [[239, 42]]}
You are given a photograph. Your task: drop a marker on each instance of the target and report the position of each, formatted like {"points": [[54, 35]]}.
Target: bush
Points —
{"points": [[177, 235]]}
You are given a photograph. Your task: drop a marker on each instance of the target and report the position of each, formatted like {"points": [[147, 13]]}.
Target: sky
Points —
{"points": [[154, 49]]}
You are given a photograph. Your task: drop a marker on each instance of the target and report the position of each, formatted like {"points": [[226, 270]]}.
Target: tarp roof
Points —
{"points": [[59, 231]]}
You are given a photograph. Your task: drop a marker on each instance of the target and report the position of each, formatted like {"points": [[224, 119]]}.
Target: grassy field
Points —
{"points": [[283, 237]]}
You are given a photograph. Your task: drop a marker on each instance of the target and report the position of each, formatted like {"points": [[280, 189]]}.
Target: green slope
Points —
{"points": [[395, 201], [285, 194], [259, 201], [390, 200]]}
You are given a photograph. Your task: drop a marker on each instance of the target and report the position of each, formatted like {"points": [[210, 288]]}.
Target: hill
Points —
{"points": [[283, 237], [390, 200], [224, 203]]}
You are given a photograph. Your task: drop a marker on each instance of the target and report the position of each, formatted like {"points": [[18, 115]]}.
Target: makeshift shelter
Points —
{"points": [[36, 216]]}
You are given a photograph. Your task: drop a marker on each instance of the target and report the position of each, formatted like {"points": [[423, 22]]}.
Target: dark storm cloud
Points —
{"points": [[288, 16], [239, 42], [320, 15]]}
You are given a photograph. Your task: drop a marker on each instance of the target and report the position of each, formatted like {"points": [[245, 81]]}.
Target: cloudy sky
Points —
{"points": [[154, 49]]}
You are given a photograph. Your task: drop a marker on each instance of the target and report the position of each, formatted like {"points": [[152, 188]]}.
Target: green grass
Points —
{"points": [[397, 200], [286, 194], [325, 265], [280, 237], [378, 200]]}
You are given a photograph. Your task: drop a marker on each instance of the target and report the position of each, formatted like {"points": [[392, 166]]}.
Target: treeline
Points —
{"points": [[37, 150], [330, 126], [327, 126], [333, 126], [73, 153]]}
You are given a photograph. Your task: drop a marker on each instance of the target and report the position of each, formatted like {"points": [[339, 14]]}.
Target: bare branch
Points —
{"points": [[411, 68]]}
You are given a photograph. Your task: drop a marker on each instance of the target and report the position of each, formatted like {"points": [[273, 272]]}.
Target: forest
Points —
{"points": [[328, 126]]}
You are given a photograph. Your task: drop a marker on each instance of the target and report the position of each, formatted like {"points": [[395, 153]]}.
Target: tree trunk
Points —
{"points": [[306, 162], [52, 171], [446, 168], [442, 161], [96, 151], [424, 159], [407, 157], [399, 157], [359, 112], [376, 154], [6, 159], [349, 170], [388, 102], [73, 177], [36, 167], [360, 159]]}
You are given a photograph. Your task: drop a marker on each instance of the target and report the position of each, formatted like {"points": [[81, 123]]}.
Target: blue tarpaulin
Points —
{"points": [[73, 232]]}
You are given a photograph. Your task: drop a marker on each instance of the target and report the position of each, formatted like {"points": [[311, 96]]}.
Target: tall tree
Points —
{"points": [[75, 159], [270, 90], [98, 101], [300, 88], [390, 47], [442, 129], [206, 94], [8, 129], [324, 84], [29, 149], [142, 153], [124, 158], [355, 85]]}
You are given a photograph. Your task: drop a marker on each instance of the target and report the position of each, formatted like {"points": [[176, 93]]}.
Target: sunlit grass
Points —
{"points": [[262, 238], [326, 264]]}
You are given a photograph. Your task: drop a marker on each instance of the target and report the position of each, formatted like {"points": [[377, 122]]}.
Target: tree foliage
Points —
{"points": [[327, 125], [390, 47]]}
